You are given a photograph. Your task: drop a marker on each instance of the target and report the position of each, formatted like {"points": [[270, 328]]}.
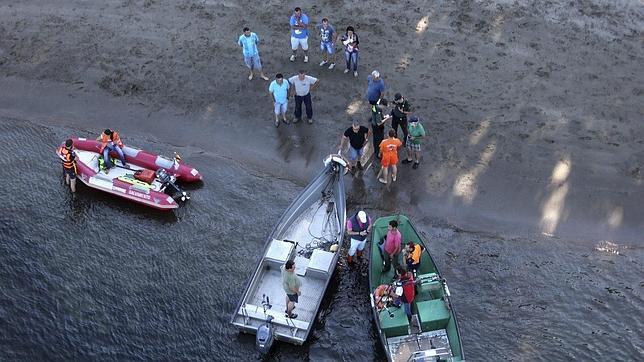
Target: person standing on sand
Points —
{"points": [[399, 114], [299, 23], [327, 34], [358, 137], [389, 150], [302, 85], [375, 87], [278, 89], [378, 120], [248, 41], [416, 134], [350, 42]]}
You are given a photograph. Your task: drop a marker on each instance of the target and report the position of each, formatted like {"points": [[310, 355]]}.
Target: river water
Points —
{"points": [[95, 277]]}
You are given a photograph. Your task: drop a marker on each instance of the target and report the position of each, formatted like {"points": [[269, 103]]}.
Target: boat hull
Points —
{"points": [[318, 213]]}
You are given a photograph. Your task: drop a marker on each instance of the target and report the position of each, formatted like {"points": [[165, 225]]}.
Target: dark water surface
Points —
{"points": [[95, 277]]}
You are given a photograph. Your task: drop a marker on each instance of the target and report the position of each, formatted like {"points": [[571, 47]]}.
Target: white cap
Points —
{"points": [[375, 74], [362, 216]]}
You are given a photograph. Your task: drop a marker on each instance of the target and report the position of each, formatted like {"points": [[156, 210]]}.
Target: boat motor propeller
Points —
{"points": [[170, 187], [265, 335]]}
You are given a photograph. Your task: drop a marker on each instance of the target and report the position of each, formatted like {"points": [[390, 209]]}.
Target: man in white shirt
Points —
{"points": [[301, 86]]}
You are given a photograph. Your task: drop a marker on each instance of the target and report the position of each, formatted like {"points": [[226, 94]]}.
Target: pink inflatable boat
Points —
{"points": [[147, 179]]}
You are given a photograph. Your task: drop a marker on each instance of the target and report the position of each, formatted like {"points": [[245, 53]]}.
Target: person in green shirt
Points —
{"points": [[291, 284], [416, 134]]}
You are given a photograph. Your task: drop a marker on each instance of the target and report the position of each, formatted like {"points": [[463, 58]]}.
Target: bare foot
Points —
{"points": [[263, 77], [250, 77]]}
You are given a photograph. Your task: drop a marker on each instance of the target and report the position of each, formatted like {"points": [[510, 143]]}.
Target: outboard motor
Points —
{"points": [[170, 187], [265, 336]]}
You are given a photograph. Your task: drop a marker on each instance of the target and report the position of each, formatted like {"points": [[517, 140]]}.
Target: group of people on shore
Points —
{"points": [[300, 86]]}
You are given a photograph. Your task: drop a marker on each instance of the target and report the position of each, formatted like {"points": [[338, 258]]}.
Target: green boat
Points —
{"points": [[433, 332]]}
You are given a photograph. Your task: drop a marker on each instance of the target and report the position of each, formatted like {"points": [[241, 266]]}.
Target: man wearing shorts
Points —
{"points": [[327, 34], [299, 23], [248, 41], [358, 136], [416, 134], [389, 150], [358, 227], [291, 284], [278, 89]]}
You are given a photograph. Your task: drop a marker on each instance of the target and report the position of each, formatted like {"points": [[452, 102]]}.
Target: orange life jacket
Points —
{"points": [[68, 157], [105, 139]]}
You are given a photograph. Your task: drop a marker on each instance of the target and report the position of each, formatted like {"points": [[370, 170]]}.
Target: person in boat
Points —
{"points": [[68, 157], [406, 279], [385, 295], [391, 246], [358, 227], [291, 284], [110, 141], [412, 256]]}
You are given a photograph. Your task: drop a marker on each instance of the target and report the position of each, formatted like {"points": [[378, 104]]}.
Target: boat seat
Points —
{"points": [[279, 252], [257, 312], [396, 326], [320, 264], [428, 283], [433, 314]]}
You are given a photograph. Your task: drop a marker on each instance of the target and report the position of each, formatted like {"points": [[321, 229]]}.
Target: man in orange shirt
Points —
{"points": [[389, 150]]}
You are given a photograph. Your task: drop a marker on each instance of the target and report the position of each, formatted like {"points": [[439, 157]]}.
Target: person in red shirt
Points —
{"points": [[409, 292], [389, 150]]}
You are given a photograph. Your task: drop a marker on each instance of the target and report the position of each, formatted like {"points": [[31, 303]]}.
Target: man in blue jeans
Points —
{"points": [[301, 86]]}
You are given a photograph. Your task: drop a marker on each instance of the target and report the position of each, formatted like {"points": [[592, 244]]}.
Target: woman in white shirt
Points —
{"points": [[350, 42]]}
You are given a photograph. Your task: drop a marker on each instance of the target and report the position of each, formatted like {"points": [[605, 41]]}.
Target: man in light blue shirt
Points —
{"points": [[278, 89], [248, 41], [299, 23]]}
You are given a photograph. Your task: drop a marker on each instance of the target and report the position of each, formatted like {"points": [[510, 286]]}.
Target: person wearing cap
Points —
{"points": [[111, 141], [248, 41], [401, 109], [68, 157], [414, 138], [358, 227], [291, 284], [375, 87], [358, 137], [378, 120]]}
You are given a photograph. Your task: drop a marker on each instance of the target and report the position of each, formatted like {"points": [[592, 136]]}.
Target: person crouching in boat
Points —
{"points": [[409, 292], [68, 157], [412, 256], [358, 227], [384, 296], [110, 141]]}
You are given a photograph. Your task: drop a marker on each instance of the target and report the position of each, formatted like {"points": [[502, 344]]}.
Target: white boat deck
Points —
{"points": [[102, 179], [307, 241]]}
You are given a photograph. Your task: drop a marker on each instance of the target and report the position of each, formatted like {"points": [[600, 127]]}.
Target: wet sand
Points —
{"points": [[533, 113]]}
